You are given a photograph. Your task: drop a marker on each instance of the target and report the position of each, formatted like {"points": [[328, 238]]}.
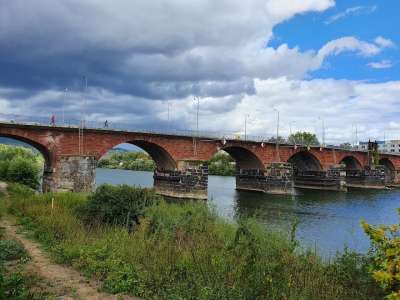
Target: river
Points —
{"points": [[327, 221]]}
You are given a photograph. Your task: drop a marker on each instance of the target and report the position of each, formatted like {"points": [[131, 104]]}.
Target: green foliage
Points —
{"points": [[19, 285], [186, 251], [303, 138], [375, 157], [118, 205], [221, 164], [352, 271], [11, 250], [386, 255], [18, 164], [136, 161]]}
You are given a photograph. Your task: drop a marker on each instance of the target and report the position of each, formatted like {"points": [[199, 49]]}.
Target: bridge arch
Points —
{"points": [[351, 163], [305, 161], [161, 157], [244, 158], [390, 170]]}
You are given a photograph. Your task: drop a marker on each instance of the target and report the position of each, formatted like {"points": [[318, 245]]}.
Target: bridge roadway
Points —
{"points": [[71, 155]]}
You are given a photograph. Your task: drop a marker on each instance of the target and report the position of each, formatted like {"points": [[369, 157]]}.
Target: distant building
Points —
{"points": [[392, 146]]}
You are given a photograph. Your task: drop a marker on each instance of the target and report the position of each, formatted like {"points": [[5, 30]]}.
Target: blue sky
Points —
{"points": [[365, 20], [313, 60]]}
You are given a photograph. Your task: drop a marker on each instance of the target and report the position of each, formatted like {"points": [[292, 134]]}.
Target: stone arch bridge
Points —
{"points": [[71, 156]]}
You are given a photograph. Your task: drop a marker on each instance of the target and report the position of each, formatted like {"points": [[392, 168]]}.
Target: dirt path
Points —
{"points": [[61, 277]]}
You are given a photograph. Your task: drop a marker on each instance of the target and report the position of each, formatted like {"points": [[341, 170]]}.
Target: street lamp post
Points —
{"points": [[290, 127], [168, 105], [323, 131], [196, 98], [278, 158], [245, 125], [63, 106]]}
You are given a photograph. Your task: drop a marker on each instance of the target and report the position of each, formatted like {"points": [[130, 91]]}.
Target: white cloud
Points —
{"points": [[384, 43], [140, 53], [342, 104], [384, 64], [348, 43], [357, 10]]}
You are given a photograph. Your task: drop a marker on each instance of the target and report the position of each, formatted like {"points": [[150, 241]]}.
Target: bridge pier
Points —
{"points": [[332, 179], [74, 173], [190, 181], [276, 179], [371, 178]]}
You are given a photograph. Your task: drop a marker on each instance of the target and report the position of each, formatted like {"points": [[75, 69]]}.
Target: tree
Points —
{"points": [[304, 138]]}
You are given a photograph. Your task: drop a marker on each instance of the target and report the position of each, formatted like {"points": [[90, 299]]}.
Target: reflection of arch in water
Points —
{"points": [[351, 163], [161, 156], [390, 171], [244, 158], [305, 161]]}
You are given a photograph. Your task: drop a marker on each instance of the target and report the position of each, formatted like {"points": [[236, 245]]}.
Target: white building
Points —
{"points": [[392, 146]]}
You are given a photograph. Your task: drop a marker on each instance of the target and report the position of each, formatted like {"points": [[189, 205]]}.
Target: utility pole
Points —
{"points": [[278, 158]]}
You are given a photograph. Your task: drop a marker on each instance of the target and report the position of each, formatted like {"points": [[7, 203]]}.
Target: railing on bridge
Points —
{"points": [[90, 124]]}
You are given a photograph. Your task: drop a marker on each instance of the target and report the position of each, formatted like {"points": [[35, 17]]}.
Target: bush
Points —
{"points": [[117, 205], [11, 250], [386, 256], [23, 171], [18, 164]]}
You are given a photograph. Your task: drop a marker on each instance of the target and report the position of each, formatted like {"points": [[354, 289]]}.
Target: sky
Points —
{"points": [[320, 63]]}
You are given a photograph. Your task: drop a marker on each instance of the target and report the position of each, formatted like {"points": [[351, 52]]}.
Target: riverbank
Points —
{"points": [[186, 251], [221, 164]]}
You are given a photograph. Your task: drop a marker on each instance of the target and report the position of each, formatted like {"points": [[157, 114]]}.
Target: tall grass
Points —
{"points": [[185, 251]]}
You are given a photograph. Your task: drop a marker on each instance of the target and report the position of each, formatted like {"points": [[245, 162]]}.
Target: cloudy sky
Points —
{"points": [[315, 61]]}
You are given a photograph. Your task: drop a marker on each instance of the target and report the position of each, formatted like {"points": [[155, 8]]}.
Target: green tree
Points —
{"points": [[304, 138], [221, 164], [386, 254], [19, 164]]}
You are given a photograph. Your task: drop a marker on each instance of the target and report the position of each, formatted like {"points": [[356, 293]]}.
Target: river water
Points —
{"points": [[327, 221]]}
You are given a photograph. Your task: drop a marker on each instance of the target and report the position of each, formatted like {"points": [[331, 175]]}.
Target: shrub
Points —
{"points": [[117, 205], [18, 164], [11, 250], [23, 171], [386, 256]]}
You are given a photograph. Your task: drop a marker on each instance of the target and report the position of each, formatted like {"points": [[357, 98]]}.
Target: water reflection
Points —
{"points": [[326, 220]]}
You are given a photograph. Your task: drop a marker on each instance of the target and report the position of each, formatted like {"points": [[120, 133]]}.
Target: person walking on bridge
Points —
{"points": [[106, 124], [53, 120]]}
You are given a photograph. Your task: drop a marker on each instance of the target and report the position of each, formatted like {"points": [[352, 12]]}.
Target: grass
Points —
{"points": [[16, 281], [186, 251]]}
